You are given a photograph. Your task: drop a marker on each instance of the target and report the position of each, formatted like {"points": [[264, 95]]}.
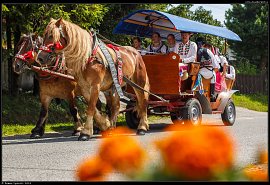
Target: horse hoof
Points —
{"points": [[76, 133], [140, 132], [83, 137], [35, 136]]}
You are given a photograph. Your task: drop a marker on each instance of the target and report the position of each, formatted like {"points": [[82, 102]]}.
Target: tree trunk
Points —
{"points": [[17, 36], [264, 60], [9, 52]]}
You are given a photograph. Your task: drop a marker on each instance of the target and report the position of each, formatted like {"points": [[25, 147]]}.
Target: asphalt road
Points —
{"points": [[54, 158]]}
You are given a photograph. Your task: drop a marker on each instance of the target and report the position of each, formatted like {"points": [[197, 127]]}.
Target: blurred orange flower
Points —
{"points": [[119, 131], [122, 152], [257, 172], [263, 157], [197, 153], [92, 169]]}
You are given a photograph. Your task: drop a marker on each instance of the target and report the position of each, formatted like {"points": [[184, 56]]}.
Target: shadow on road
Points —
{"points": [[67, 137]]}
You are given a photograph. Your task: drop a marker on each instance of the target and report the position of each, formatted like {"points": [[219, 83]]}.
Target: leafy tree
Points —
{"points": [[250, 22], [205, 16], [182, 10]]}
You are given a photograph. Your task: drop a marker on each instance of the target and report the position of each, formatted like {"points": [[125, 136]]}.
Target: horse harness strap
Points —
{"points": [[59, 67], [112, 69], [94, 49], [119, 62], [142, 89]]}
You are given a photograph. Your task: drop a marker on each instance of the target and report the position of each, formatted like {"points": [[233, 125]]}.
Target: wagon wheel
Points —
{"points": [[229, 114], [132, 118], [193, 112], [177, 117]]}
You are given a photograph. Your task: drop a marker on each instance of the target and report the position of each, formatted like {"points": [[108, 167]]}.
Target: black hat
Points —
{"points": [[200, 39], [186, 32]]}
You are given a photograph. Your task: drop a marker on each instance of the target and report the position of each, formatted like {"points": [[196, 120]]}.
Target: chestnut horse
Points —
{"points": [[50, 87], [93, 77]]}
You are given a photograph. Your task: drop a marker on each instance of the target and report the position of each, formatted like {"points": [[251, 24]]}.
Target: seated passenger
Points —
{"points": [[187, 50], [230, 72], [223, 63], [157, 46], [208, 65], [137, 45], [172, 45]]}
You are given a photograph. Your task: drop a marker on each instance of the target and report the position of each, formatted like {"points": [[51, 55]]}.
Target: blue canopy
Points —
{"points": [[143, 23]]}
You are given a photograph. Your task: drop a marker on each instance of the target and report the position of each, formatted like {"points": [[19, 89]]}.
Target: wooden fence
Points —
{"points": [[249, 84]]}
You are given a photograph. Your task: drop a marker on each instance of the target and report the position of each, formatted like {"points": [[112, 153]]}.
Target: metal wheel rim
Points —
{"points": [[231, 112], [195, 115]]}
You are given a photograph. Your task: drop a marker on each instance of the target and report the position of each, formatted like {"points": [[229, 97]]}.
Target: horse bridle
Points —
{"points": [[50, 48], [29, 54]]}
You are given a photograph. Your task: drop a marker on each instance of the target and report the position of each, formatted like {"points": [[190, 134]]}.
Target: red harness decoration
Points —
{"points": [[119, 62], [113, 47], [25, 57], [48, 48], [58, 46], [92, 58]]}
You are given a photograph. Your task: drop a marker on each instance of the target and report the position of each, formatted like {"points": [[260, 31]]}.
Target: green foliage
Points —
{"points": [[257, 102], [35, 17], [25, 109], [4, 8], [205, 16], [250, 22], [157, 173], [88, 16], [182, 10], [243, 66]]}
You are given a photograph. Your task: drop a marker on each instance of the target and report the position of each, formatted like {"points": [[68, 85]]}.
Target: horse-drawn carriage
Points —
{"points": [[93, 65], [178, 99]]}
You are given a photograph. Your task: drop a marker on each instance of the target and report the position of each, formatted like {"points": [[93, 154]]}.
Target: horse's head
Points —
{"points": [[26, 50], [54, 41]]}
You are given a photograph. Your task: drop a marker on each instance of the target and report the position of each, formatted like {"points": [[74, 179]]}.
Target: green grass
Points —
{"points": [[257, 102], [24, 109], [15, 129]]}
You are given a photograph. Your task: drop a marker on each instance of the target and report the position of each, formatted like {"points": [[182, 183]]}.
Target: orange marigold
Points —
{"points": [[123, 152], [197, 153], [263, 157], [117, 132], [257, 172], [92, 169]]}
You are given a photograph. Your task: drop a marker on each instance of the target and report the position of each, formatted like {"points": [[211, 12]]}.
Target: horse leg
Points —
{"points": [[39, 129], [102, 122], [107, 95], [141, 109], [114, 108], [87, 131], [77, 120], [142, 80]]}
